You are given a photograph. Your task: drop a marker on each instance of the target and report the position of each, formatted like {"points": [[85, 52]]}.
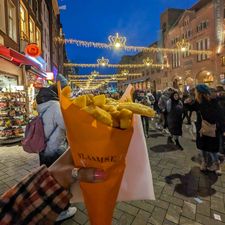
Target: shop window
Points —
{"points": [[12, 21], [203, 25], [38, 37], [2, 13], [23, 22], [32, 30]]}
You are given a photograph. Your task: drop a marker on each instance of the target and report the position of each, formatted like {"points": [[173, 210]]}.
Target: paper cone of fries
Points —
{"points": [[94, 144]]}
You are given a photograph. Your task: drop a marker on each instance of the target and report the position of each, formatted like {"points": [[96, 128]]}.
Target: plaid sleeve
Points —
{"points": [[37, 198]]}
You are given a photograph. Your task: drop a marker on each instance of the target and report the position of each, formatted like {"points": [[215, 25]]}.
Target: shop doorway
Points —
{"points": [[205, 77]]}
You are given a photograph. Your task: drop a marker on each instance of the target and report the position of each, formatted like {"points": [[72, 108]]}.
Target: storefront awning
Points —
{"points": [[35, 71], [16, 57]]}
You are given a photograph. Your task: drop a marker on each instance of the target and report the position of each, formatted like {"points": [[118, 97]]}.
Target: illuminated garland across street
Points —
{"points": [[94, 83], [104, 75], [90, 44], [114, 65], [97, 80]]}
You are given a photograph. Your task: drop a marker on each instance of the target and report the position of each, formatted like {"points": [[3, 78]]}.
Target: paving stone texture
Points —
{"points": [[177, 182]]}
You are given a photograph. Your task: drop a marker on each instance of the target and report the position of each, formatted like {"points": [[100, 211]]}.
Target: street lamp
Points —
{"points": [[117, 41]]}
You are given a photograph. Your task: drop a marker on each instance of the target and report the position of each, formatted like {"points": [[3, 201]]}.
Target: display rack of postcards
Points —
{"points": [[12, 116]]}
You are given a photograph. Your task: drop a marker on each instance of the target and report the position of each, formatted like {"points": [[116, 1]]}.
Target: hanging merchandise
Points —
{"points": [[12, 116]]}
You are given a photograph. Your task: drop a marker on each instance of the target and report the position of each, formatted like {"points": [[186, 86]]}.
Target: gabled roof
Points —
{"points": [[180, 18], [200, 4]]}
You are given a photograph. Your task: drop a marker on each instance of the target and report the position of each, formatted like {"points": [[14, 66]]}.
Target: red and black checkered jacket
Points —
{"points": [[37, 199]]}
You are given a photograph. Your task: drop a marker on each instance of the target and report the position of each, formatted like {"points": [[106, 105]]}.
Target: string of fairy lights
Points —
{"points": [[95, 80], [89, 82], [105, 63], [119, 42]]}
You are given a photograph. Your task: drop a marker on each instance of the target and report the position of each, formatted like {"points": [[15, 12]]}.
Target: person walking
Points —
{"points": [[208, 126], [151, 98], [54, 128], [221, 102], [186, 113], [145, 119], [175, 110], [162, 106]]}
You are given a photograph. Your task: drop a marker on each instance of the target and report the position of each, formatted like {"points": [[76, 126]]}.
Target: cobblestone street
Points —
{"points": [[186, 196]]}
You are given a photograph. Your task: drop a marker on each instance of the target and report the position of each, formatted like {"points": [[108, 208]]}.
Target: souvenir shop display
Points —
{"points": [[12, 116]]}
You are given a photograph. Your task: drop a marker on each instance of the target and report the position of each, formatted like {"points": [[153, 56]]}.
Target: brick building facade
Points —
{"points": [[203, 26], [33, 21], [9, 23]]}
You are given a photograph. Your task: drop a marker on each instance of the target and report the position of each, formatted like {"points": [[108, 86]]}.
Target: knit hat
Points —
{"points": [[202, 88], [62, 80]]}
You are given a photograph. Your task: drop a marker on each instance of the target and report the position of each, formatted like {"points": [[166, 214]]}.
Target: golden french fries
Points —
{"points": [[103, 116], [99, 100], [89, 109], [137, 108], [89, 99], [80, 101], [109, 111], [125, 123], [126, 113]]}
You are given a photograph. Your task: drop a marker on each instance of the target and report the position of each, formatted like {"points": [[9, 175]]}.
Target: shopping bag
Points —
{"points": [[94, 144], [137, 181]]}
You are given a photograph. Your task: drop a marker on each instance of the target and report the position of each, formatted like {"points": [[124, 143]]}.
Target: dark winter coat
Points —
{"points": [[174, 116], [221, 102], [212, 113]]}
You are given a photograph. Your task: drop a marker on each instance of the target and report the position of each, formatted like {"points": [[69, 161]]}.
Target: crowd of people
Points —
{"points": [[48, 186], [175, 108]]}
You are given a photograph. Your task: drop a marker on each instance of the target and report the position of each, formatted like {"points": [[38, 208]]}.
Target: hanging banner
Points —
{"points": [[219, 10]]}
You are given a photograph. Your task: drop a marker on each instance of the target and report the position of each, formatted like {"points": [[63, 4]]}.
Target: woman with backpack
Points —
{"points": [[48, 107]]}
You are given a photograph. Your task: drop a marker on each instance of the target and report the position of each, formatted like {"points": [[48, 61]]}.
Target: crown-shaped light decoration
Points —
{"points": [[183, 45], [148, 61], [94, 74], [117, 41], [103, 61], [125, 72]]}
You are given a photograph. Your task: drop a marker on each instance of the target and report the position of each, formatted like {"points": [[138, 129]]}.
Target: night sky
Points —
{"points": [[95, 20]]}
